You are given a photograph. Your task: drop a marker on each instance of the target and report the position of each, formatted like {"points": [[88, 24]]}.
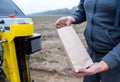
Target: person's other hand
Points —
{"points": [[92, 69], [64, 21]]}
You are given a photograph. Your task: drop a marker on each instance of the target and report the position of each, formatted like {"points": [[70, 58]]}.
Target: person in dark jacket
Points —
{"points": [[102, 37]]}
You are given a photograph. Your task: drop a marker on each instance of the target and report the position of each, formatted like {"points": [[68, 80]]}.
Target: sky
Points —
{"points": [[33, 6]]}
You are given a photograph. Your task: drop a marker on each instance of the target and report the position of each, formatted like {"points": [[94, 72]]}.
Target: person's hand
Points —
{"points": [[64, 21], [92, 69]]}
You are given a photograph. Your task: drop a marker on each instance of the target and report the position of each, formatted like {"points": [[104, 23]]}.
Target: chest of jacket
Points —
{"points": [[100, 31]]}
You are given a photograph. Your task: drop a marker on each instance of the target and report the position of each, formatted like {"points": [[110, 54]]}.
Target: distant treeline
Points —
{"points": [[64, 11]]}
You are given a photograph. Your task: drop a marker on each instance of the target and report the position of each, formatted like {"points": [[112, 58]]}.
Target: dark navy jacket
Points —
{"points": [[100, 33]]}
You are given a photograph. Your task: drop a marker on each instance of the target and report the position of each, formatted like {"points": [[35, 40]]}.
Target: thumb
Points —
{"points": [[68, 23]]}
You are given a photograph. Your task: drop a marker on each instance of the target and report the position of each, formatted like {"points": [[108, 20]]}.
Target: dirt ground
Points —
{"points": [[51, 64]]}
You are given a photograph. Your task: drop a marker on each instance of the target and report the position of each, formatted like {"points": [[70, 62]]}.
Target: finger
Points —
{"points": [[77, 74], [68, 23], [60, 20], [88, 71]]}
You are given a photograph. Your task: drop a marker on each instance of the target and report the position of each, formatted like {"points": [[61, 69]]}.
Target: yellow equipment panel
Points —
{"points": [[10, 64]]}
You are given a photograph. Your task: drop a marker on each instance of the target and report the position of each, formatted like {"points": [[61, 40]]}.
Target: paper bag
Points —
{"points": [[76, 52]]}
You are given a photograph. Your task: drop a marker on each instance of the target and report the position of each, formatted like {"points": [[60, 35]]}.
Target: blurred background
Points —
{"points": [[37, 6]]}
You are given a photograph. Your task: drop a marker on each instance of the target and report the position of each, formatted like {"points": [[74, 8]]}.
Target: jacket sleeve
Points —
{"points": [[113, 57], [79, 13]]}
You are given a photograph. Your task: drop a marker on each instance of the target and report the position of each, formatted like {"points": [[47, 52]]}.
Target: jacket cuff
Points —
{"points": [[110, 60], [77, 19]]}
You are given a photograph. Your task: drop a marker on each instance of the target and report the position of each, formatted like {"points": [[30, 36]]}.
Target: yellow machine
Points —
{"points": [[17, 41]]}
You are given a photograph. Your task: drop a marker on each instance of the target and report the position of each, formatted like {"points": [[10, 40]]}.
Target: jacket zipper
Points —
{"points": [[92, 20]]}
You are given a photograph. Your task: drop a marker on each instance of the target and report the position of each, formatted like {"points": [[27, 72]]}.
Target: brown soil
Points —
{"points": [[51, 64]]}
